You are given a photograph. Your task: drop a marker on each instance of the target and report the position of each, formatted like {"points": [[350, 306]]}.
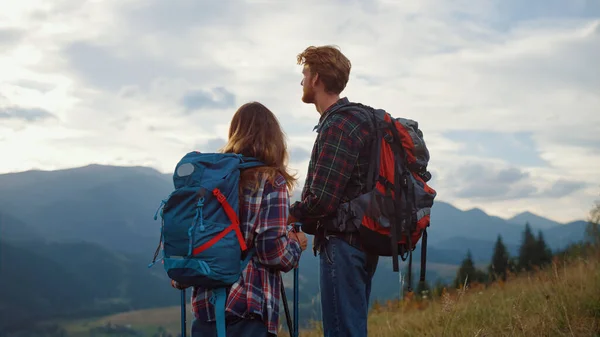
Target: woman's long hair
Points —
{"points": [[255, 132]]}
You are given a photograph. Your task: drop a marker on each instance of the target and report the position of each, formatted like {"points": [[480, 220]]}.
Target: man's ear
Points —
{"points": [[315, 79]]}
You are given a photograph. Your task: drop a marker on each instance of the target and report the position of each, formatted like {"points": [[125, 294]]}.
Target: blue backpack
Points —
{"points": [[201, 239]]}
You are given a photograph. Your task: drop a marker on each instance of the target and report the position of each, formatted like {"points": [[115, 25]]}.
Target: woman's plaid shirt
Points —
{"points": [[263, 218]]}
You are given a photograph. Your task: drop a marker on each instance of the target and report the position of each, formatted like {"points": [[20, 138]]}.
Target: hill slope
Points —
{"points": [[73, 280], [111, 206], [544, 304], [560, 300], [14, 229]]}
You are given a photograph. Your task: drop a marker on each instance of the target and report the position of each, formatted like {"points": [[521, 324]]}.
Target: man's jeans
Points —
{"points": [[346, 274]]}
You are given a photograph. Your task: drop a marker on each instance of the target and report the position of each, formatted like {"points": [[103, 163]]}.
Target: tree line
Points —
{"points": [[533, 255]]}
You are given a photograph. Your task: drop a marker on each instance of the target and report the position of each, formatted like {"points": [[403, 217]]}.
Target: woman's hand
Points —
{"points": [[300, 238]]}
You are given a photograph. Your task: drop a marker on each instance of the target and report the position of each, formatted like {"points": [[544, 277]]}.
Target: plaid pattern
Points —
{"points": [[263, 218], [337, 169]]}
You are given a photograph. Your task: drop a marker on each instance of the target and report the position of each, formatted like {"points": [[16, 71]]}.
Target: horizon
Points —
{"points": [[507, 217], [505, 92]]}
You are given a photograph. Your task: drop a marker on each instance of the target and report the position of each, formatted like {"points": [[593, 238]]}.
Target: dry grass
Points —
{"points": [[144, 320], [563, 300], [160, 316]]}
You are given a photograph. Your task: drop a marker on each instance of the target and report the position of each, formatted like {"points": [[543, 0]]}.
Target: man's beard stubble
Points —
{"points": [[308, 96]]}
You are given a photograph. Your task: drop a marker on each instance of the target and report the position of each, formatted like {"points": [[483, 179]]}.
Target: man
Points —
{"points": [[337, 173]]}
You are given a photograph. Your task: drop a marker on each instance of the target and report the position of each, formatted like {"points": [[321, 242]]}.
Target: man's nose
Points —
{"points": [[302, 82]]}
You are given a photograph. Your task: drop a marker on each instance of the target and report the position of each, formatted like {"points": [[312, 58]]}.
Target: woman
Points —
{"points": [[252, 307]]}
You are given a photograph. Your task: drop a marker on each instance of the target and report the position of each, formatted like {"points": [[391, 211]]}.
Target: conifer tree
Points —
{"points": [[544, 252], [467, 272], [500, 261], [467, 269], [592, 229], [528, 252], [513, 264]]}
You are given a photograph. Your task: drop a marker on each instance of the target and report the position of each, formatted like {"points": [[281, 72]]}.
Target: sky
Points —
{"points": [[506, 92]]}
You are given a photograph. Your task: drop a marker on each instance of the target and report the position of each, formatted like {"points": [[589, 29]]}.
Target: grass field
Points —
{"points": [[562, 300], [147, 321]]}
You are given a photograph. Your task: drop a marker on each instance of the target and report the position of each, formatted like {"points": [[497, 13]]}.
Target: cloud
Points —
{"points": [[25, 114], [35, 85], [507, 13], [111, 68], [298, 154], [485, 182], [217, 98], [563, 188], [10, 37], [488, 182], [180, 17], [518, 148], [506, 85], [588, 142], [211, 145]]}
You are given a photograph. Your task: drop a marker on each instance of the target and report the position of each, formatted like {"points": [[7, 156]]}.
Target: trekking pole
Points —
{"points": [[183, 314], [285, 307], [297, 226], [401, 283]]}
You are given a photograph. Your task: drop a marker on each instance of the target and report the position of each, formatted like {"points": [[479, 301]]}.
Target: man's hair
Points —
{"points": [[331, 65]]}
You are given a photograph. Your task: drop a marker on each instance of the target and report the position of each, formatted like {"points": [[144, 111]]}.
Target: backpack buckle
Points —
{"points": [[219, 195]]}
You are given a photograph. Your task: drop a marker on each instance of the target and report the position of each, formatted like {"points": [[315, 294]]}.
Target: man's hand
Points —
{"points": [[300, 238]]}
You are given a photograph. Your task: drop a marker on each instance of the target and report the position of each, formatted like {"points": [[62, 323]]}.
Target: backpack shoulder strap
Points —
{"points": [[248, 162], [220, 297], [374, 117]]}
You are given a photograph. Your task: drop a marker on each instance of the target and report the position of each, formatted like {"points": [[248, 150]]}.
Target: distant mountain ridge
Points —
{"points": [[536, 221], [130, 195], [114, 206]]}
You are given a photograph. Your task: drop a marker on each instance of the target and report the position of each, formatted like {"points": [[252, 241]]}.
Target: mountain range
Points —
{"points": [[77, 242]]}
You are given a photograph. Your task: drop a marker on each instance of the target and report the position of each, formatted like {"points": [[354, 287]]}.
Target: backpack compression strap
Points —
{"points": [[235, 225]]}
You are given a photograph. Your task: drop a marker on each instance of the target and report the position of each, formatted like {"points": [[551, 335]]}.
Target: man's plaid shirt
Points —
{"points": [[263, 218], [338, 167]]}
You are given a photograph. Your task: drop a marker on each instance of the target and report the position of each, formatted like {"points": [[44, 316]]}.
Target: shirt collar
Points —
{"points": [[330, 110]]}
